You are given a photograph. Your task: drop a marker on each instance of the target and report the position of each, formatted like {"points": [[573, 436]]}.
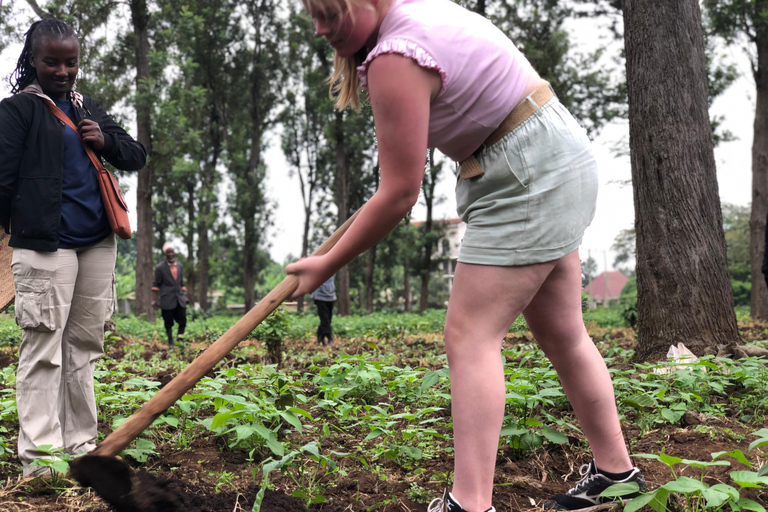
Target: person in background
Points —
{"points": [[440, 76], [63, 247], [325, 298], [169, 282]]}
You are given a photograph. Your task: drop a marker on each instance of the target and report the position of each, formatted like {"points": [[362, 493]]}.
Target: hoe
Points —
{"points": [[112, 478]]}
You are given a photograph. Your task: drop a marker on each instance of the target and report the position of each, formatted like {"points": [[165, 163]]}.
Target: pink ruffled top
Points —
{"points": [[483, 73]]}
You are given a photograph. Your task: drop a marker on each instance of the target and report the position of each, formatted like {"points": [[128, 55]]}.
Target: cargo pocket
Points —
{"points": [[34, 304]]}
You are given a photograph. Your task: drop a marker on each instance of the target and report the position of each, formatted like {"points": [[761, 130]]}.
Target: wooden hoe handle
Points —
{"points": [[116, 442]]}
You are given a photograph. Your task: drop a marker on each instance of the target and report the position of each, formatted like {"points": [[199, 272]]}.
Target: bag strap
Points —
{"points": [[66, 120], [61, 116]]}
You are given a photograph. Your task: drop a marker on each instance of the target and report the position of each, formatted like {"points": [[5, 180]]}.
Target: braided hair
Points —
{"points": [[25, 74]]}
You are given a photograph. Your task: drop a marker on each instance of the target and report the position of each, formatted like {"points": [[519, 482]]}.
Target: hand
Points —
{"points": [[90, 132], [154, 304], [311, 271]]}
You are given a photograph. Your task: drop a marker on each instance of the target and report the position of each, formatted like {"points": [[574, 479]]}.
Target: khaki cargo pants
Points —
{"points": [[63, 299]]}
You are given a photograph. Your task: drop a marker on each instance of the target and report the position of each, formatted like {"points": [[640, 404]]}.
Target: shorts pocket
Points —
{"points": [[516, 162], [34, 304]]}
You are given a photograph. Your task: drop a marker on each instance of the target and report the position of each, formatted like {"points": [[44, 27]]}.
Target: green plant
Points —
{"points": [[272, 331], [225, 478], [143, 449], [58, 460], [698, 495]]}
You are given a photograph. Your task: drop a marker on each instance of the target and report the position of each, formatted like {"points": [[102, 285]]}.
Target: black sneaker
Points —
{"points": [[586, 495], [448, 504]]}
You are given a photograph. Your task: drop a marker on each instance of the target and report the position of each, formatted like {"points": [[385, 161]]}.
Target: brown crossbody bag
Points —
{"points": [[111, 195]]}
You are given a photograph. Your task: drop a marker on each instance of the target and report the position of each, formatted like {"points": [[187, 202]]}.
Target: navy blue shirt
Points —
{"points": [[83, 222]]}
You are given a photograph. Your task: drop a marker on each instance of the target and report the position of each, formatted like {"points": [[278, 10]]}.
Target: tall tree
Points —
{"points": [[583, 84], [144, 99], [430, 231], [206, 33], [352, 145], [304, 118], [684, 294], [746, 22], [264, 76], [737, 239]]}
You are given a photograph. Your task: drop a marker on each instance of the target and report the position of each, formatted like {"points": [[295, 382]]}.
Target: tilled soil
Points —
{"points": [[209, 477]]}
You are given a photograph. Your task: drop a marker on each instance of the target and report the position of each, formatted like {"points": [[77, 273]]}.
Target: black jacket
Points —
{"points": [[169, 289], [32, 163]]}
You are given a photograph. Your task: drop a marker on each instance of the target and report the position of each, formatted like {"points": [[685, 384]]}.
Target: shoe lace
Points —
{"points": [[586, 477], [436, 505]]}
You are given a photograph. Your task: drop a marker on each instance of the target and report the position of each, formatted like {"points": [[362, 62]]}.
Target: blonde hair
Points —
{"points": [[344, 82]]}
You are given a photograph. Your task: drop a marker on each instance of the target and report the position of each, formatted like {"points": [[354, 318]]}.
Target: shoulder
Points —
{"points": [[21, 101], [423, 31]]}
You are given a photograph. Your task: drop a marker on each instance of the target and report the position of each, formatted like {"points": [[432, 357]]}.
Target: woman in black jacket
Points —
{"points": [[64, 249]]}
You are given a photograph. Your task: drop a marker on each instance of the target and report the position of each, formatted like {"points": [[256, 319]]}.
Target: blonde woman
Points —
{"points": [[526, 183]]}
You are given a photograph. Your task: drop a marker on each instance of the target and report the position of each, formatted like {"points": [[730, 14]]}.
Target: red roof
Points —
{"points": [[615, 282]]}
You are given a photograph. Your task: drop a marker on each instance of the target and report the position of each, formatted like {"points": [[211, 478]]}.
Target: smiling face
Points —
{"points": [[56, 62], [170, 254], [347, 26]]}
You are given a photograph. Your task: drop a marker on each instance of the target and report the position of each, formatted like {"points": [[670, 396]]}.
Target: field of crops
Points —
{"points": [[366, 424]]}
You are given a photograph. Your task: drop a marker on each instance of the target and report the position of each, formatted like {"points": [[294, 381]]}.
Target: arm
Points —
{"points": [[119, 149], [13, 131], [401, 116]]}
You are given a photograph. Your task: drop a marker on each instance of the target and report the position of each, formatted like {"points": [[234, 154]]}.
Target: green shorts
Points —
{"points": [[537, 195]]}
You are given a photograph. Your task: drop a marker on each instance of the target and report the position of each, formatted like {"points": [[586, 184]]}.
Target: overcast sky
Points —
{"points": [[615, 210]]}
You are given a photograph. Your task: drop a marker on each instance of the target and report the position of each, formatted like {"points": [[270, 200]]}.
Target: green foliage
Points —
{"points": [[10, 334], [401, 410], [628, 302], [742, 292], [610, 316], [698, 495], [57, 459], [737, 239], [272, 332], [531, 388]]}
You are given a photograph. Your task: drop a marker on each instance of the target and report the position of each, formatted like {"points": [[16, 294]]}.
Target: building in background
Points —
{"points": [[605, 288]]}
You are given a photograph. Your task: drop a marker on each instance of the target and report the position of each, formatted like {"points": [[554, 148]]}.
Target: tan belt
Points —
{"points": [[470, 168]]}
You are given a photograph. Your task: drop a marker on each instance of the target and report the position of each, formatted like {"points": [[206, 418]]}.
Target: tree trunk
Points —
{"points": [[428, 185], [759, 298], [251, 236], [369, 291], [189, 240], [684, 292], [342, 205], [249, 265], [424, 298], [144, 233], [204, 252], [207, 194]]}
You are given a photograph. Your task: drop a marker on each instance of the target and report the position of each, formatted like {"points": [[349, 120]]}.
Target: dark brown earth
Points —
{"points": [[193, 477]]}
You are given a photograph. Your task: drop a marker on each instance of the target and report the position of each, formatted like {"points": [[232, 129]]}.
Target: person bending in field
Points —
{"points": [[439, 76]]}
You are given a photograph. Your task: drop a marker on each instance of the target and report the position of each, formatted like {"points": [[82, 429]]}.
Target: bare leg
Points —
{"points": [[554, 317], [484, 302]]}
